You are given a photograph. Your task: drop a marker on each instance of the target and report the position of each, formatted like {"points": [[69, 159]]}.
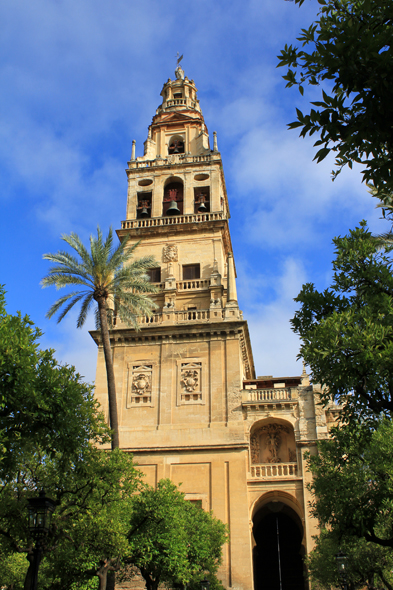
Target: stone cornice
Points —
{"points": [[190, 448], [167, 333]]}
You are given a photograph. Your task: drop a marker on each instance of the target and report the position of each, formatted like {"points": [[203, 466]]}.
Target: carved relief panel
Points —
{"points": [[273, 443], [140, 385], [189, 382], [169, 253]]}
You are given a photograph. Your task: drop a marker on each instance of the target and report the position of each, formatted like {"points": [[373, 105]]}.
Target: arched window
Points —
{"points": [[176, 145]]}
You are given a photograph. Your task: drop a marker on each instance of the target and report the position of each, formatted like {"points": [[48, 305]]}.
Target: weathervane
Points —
{"points": [[179, 58], [179, 73]]}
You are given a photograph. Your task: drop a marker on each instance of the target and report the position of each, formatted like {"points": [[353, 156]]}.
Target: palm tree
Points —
{"points": [[107, 276]]}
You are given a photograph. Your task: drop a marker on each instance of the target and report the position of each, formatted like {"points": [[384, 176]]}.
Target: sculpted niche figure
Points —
{"points": [[269, 444], [273, 443]]}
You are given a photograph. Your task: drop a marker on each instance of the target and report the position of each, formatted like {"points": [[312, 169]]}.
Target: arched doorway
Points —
{"points": [[278, 550]]}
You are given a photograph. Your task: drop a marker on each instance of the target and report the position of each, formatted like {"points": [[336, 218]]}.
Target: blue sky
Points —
{"points": [[80, 79]]}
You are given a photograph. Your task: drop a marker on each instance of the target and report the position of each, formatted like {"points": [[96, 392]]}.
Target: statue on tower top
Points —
{"points": [[179, 73]]}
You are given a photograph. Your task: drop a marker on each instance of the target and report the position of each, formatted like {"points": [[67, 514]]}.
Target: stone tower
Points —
{"points": [[190, 406]]}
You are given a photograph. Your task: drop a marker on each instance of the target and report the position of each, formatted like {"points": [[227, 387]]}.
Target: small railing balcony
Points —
{"points": [[175, 102], [268, 396], [178, 317], [172, 220], [193, 285], [273, 470], [192, 315]]}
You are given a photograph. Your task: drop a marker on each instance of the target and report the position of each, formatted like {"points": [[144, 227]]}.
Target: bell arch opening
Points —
{"points": [[173, 197], [278, 549], [176, 142]]}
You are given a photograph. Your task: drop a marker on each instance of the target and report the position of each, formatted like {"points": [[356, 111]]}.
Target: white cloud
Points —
{"points": [[73, 346], [274, 345], [290, 198]]}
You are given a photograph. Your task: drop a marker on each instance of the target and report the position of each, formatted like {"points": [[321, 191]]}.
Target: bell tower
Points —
{"points": [[179, 378], [177, 204], [190, 407]]}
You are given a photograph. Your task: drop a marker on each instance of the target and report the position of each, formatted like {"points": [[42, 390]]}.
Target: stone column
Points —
{"points": [[231, 293]]}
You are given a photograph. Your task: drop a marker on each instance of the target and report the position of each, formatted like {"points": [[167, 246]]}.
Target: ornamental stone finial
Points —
{"points": [[133, 150], [215, 146], [231, 281]]}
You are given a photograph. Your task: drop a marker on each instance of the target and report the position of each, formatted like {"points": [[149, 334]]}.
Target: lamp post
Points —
{"points": [[205, 584], [40, 512], [341, 560]]}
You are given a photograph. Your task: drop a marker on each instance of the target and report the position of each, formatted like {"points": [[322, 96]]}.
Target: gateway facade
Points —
{"points": [[190, 405]]}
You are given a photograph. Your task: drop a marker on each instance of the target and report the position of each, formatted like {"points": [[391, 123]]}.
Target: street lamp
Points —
{"points": [[40, 512], [341, 560], [205, 584]]}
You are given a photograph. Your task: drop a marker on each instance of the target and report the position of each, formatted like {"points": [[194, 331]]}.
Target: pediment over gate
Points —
{"points": [[175, 118]]}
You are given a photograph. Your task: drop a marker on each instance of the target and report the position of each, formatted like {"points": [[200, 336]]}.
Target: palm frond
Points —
{"points": [[136, 270], [97, 318], [86, 305], [75, 242], [71, 304], [122, 254], [124, 279], [108, 245], [97, 247], [66, 263], [60, 280], [60, 302], [62, 258], [131, 304]]}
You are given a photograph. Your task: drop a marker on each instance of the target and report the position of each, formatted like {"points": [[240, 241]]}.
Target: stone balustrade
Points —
{"points": [[197, 315], [172, 159], [172, 220], [172, 102], [267, 395], [177, 317], [273, 470], [192, 285], [156, 319]]}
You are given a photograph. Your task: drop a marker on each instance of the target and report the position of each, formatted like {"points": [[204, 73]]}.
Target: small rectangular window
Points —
{"points": [[196, 503], [154, 275], [191, 272]]}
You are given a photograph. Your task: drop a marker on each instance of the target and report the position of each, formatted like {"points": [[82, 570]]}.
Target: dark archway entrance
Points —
{"points": [[278, 563]]}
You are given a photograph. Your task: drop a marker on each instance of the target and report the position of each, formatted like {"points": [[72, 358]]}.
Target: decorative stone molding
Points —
{"points": [[190, 382], [169, 253], [254, 448], [140, 385], [234, 404]]}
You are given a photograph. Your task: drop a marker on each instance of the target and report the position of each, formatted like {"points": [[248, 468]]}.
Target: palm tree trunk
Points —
{"points": [[110, 375]]}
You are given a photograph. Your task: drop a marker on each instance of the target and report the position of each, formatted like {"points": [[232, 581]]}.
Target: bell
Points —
{"points": [[173, 209], [202, 207], [144, 212]]}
